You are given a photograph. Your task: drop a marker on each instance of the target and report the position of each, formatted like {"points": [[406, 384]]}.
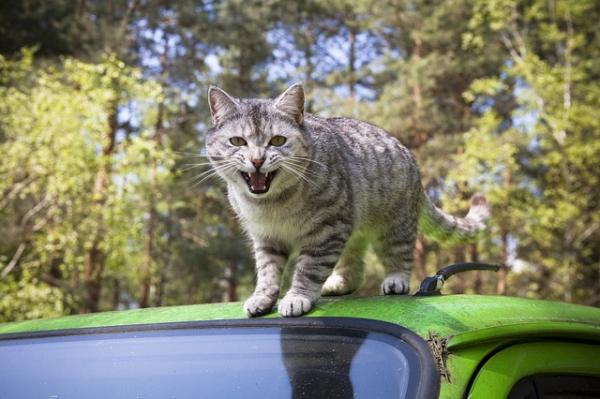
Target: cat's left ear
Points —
{"points": [[291, 102], [221, 104]]}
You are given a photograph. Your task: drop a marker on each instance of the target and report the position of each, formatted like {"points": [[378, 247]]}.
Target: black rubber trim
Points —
{"points": [[427, 387]]}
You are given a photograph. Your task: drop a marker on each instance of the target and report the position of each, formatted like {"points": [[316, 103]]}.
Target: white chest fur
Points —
{"points": [[267, 222]]}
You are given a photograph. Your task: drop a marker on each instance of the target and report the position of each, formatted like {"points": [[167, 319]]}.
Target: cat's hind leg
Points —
{"points": [[348, 274], [395, 250]]}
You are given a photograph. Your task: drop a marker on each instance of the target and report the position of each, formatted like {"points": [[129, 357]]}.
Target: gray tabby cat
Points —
{"points": [[322, 189]]}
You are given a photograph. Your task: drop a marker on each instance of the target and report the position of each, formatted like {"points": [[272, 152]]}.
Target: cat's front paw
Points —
{"points": [[259, 304], [294, 305], [395, 284]]}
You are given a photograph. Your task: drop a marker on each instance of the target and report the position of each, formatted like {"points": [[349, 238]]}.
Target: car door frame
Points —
{"points": [[504, 368]]}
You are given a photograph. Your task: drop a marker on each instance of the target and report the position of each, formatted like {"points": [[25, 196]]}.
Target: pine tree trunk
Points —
{"points": [[501, 284], [477, 282], [158, 299], [146, 283], [459, 257], [230, 283], [94, 258], [116, 297], [420, 270], [420, 135], [146, 272]]}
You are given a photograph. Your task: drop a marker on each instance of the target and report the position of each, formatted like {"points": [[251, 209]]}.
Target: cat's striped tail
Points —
{"points": [[442, 227]]}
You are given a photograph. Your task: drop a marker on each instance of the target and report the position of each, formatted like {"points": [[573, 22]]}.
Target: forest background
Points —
{"points": [[103, 115]]}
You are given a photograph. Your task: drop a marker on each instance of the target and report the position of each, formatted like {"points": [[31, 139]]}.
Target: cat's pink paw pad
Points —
{"points": [[294, 305], [258, 304]]}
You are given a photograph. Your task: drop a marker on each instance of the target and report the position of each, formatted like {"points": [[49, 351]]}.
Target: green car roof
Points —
{"points": [[461, 330], [466, 319]]}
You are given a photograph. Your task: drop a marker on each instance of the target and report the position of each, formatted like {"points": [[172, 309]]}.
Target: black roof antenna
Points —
{"points": [[433, 285]]}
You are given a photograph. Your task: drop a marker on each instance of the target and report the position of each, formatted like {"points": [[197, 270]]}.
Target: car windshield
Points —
{"points": [[257, 362]]}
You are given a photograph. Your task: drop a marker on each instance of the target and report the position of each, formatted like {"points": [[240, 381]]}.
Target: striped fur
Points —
{"points": [[339, 185], [440, 226]]}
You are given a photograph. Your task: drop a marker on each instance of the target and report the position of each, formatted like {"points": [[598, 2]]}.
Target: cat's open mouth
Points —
{"points": [[258, 183]]}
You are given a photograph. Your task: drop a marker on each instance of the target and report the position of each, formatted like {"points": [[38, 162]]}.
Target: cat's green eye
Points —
{"points": [[237, 141], [278, 141]]}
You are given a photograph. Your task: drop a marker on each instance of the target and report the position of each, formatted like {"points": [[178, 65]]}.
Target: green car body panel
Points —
{"points": [[470, 328], [499, 373]]}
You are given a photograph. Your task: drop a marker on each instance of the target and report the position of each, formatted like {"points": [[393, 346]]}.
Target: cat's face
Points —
{"points": [[258, 146]]}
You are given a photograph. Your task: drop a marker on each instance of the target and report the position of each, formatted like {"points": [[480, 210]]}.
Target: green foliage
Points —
{"points": [[24, 300], [55, 125], [541, 155]]}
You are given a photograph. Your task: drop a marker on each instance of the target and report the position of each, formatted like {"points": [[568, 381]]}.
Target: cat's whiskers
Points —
{"points": [[203, 157], [185, 153], [297, 173], [303, 168], [213, 172], [216, 168], [190, 166], [201, 151], [211, 163], [199, 155], [299, 166], [301, 158]]}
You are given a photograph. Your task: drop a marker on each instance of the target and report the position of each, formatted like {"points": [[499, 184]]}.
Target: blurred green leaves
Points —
{"points": [[55, 130]]}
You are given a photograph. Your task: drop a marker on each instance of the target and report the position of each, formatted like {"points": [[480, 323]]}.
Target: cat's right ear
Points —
{"points": [[221, 105], [291, 102]]}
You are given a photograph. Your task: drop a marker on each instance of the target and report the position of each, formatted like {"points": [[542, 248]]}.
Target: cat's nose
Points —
{"points": [[257, 162]]}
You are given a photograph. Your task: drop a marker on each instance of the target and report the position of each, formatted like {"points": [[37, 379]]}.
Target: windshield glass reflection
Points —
{"points": [[318, 365], [269, 362]]}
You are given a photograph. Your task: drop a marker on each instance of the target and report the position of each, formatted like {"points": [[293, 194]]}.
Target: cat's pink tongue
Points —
{"points": [[258, 181]]}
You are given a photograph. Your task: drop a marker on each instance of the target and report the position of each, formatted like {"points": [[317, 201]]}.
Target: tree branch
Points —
{"points": [[14, 261], [15, 190], [33, 211]]}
